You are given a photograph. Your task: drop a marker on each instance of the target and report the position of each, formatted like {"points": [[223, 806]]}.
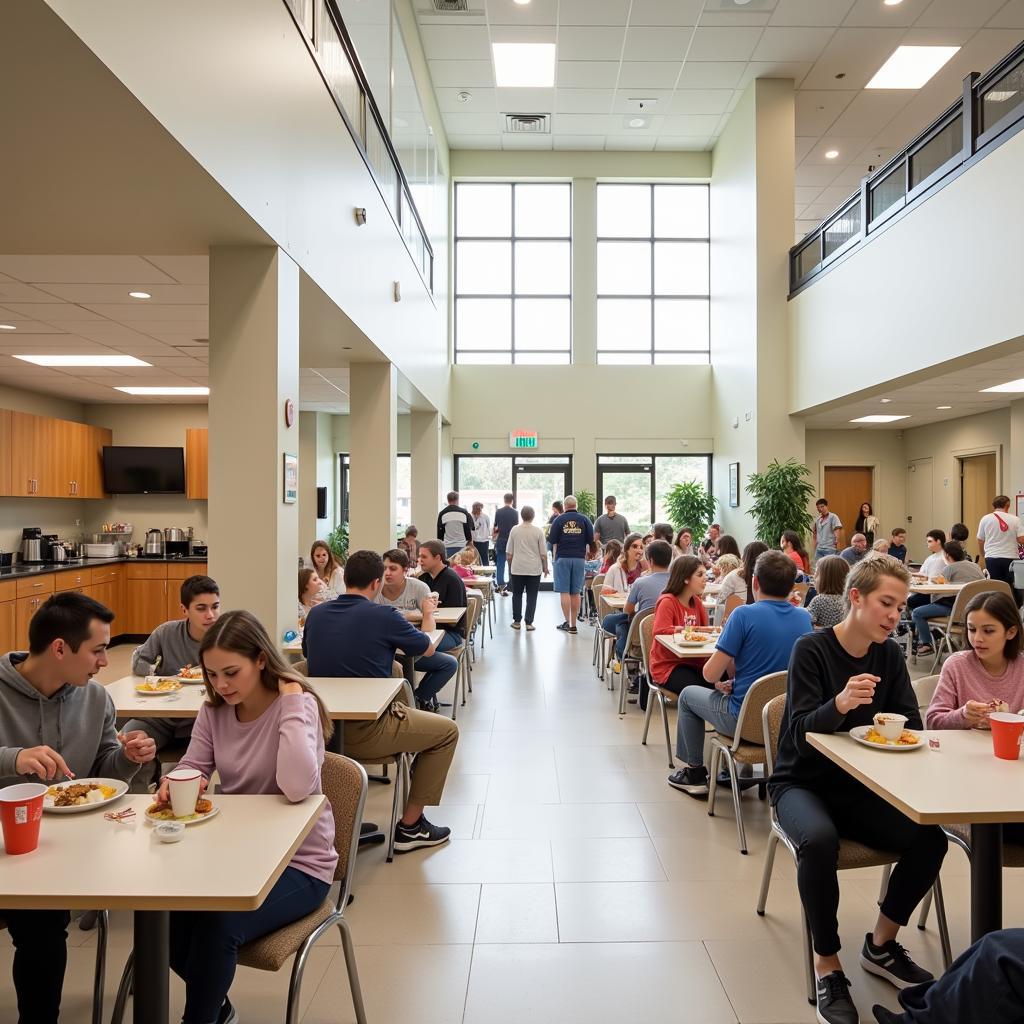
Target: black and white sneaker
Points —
{"points": [[571, 629], [833, 1002], [228, 1014], [892, 962], [564, 626], [517, 625], [428, 705], [883, 1015], [693, 781], [415, 837]]}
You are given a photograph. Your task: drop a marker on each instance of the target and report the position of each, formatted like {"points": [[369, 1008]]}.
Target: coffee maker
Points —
{"points": [[31, 546]]}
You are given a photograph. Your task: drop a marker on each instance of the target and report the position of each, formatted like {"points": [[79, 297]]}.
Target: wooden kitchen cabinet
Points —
{"points": [[49, 458], [145, 605], [197, 463], [8, 625], [33, 439], [5, 453], [25, 608]]}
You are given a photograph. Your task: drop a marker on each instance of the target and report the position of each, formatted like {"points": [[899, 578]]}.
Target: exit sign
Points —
{"points": [[522, 439]]}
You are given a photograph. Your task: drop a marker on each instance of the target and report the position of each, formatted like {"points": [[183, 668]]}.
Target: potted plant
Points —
{"points": [[689, 504], [782, 495], [586, 504], [337, 541]]}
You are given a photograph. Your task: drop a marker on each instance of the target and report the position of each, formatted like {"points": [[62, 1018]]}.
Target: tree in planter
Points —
{"points": [[586, 504], [337, 541], [782, 495], [689, 504]]}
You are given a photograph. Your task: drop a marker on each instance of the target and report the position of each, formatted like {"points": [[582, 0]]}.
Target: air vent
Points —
{"points": [[450, 6], [530, 124]]}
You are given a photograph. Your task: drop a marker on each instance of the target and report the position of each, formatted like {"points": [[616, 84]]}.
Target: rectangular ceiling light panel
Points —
{"points": [[164, 391], [83, 360], [911, 67], [524, 65], [1011, 387], [879, 419]]}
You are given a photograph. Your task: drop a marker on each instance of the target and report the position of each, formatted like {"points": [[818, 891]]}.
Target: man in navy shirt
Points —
{"points": [[570, 536], [504, 519], [353, 637]]}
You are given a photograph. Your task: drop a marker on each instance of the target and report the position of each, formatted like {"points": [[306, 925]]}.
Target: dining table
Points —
{"points": [[687, 650], [960, 782], [228, 862], [442, 616], [936, 589]]}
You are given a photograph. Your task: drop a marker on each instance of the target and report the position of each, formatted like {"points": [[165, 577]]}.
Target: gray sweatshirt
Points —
{"points": [[172, 643], [77, 722]]}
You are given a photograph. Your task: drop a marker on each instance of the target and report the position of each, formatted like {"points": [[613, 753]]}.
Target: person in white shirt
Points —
{"points": [[481, 531], [999, 535], [933, 565], [527, 554], [328, 568]]}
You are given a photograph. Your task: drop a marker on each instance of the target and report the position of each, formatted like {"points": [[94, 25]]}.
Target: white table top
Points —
{"points": [[442, 616], [704, 651], [227, 863], [614, 601], [295, 646], [712, 589], [485, 569], [346, 699], [962, 782], [944, 589]]}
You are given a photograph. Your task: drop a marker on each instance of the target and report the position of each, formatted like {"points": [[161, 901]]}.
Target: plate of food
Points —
{"points": [[82, 795], [191, 674], [205, 809], [157, 686], [869, 736], [698, 637]]}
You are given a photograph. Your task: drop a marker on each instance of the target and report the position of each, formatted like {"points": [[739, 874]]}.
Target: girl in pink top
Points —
{"points": [[987, 678], [263, 731]]}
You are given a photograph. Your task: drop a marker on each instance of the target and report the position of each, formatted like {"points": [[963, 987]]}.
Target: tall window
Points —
{"points": [[653, 287], [403, 490], [513, 273], [641, 482]]}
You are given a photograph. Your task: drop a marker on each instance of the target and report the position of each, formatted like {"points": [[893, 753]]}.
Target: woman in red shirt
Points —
{"points": [[681, 604], [793, 546]]}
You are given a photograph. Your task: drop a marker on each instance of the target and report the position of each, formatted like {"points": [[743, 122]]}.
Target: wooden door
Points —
{"points": [[5, 452], [920, 506], [977, 489], [847, 488], [197, 463], [8, 625], [145, 605]]}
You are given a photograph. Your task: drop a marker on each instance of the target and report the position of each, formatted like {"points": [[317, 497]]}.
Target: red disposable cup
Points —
{"points": [[21, 810], [1006, 734]]}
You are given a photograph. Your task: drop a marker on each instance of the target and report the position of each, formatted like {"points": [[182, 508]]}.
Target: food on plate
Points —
{"points": [[890, 725], [163, 812], [700, 636], [152, 685], [194, 672], [938, 579], [906, 738], [78, 794]]}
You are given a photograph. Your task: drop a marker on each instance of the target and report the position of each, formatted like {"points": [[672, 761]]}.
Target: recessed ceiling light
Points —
{"points": [[524, 65], [7, 327], [885, 401], [636, 122], [1010, 385], [522, 3], [831, 154], [879, 419], [140, 295], [164, 391], [943, 407], [911, 67], [84, 360], [892, 3]]}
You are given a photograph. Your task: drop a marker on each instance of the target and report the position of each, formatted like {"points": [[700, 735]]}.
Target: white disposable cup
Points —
{"points": [[183, 784], [890, 725]]}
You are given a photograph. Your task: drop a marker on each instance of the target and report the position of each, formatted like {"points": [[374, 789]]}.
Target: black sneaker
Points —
{"points": [[833, 1002], [429, 705], [572, 629], [565, 626], [693, 781], [414, 837], [892, 962], [228, 1014], [886, 1016]]}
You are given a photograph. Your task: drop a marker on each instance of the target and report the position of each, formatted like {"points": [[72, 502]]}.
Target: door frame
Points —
{"points": [[959, 454], [876, 476], [566, 468]]}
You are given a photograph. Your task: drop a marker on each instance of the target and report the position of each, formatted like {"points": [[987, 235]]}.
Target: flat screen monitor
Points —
{"points": [[132, 470]]}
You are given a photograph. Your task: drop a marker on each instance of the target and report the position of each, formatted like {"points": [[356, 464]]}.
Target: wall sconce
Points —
{"points": [[360, 212]]}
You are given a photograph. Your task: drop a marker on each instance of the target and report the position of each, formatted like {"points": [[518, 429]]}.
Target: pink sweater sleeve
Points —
{"points": [[200, 754], [950, 696], [300, 751]]}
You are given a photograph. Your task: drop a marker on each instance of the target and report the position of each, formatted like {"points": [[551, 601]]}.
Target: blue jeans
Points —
{"points": [[500, 560], [617, 623], [922, 614], [698, 705], [822, 552], [438, 669], [204, 944]]}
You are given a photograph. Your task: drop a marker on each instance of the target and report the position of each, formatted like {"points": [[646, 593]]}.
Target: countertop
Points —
{"points": [[18, 570]]}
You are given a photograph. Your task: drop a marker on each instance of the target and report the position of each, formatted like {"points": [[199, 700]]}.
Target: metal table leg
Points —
{"points": [[986, 879], [152, 966]]}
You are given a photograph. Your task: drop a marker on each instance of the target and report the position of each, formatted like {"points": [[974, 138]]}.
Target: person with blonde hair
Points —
{"points": [[328, 567], [841, 677], [312, 592]]}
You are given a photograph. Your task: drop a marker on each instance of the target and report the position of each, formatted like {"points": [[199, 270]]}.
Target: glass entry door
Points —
{"points": [[540, 485]]}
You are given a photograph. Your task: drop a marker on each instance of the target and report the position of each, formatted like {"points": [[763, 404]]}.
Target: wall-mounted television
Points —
{"points": [[132, 470]]}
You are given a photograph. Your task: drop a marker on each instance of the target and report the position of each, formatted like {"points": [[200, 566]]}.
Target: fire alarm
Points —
{"points": [[289, 412]]}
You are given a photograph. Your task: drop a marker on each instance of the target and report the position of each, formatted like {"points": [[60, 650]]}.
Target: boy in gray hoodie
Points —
{"points": [[57, 724]]}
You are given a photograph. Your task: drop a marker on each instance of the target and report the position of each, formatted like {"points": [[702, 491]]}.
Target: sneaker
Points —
{"points": [[833, 1002], [886, 1016], [228, 1014], [564, 626], [572, 629], [414, 837], [530, 627], [517, 625], [892, 962], [428, 705], [693, 781]]}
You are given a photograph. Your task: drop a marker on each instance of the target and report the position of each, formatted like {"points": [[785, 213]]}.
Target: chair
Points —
{"points": [[851, 853], [344, 784], [464, 672], [601, 636], [631, 655], [301, 666], [732, 602], [746, 747], [665, 698], [953, 628]]}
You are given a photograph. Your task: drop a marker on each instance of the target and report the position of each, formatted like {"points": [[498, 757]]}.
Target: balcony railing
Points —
{"points": [[323, 30], [990, 111]]}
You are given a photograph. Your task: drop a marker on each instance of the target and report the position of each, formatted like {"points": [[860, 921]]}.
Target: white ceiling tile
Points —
{"points": [[700, 101], [1011, 16], [492, 141], [525, 141], [455, 42], [584, 142], [810, 12], [15, 291], [834, 196], [797, 70], [958, 13], [711, 75], [803, 146], [734, 19], [582, 124], [184, 269], [169, 294], [147, 312], [83, 269], [822, 176], [626, 101], [51, 312], [817, 211], [593, 12], [524, 33], [665, 12], [684, 124], [870, 110], [586, 74], [805, 195], [724, 43], [653, 74], [541, 101], [584, 101], [872, 14], [466, 124], [461, 74], [583, 43], [849, 178], [480, 100], [874, 155], [792, 44], [683, 143], [856, 53], [817, 109], [804, 227], [537, 12], [641, 143], [174, 332], [663, 43]]}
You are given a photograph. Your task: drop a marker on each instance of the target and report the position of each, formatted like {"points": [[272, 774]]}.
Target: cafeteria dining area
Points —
{"points": [[511, 509]]}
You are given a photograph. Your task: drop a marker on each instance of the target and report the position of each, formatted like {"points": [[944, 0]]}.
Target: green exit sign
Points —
{"points": [[522, 439]]}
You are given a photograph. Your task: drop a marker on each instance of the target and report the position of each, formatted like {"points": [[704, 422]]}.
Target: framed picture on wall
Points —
{"points": [[291, 479], [734, 485]]}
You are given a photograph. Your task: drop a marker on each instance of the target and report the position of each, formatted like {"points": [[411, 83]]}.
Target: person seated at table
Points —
{"points": [[708, 549], [357, 638], [610, 554], [933, 565], [410, 545], [960, 533], [725, 545], [725, 565], [263, 730], [958, 569], [450, 590], [739, 581], [312, 592], [683, 544], [898, 544], [460, 564], [412, 598], [328, 568], [618, 580], [793, 547], [857, 549], [839, 678], [57, 724], [757, 639], [828, 606]]}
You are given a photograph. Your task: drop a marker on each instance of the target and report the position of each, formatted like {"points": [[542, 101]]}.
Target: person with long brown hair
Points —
{"points": [[328, 567], [262, 730]]}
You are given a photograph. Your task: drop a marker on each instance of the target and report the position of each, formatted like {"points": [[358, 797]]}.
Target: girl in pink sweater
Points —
{"points": [[988, 677], [263, 731]]}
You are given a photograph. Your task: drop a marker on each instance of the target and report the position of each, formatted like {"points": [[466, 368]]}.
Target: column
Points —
{"points": [[307, 481], [373, 432], [254, 369], [584, 271], [425, 449]]}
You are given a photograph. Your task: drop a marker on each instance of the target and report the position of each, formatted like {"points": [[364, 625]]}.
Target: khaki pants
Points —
{"points": [[401, 729]]}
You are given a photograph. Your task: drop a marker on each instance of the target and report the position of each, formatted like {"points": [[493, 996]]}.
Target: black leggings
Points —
{"points": [[681, 677], [999, 569], [815, 822], [530, 584]]}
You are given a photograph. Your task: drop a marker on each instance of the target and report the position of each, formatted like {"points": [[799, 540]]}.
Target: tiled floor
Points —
{"points": [[578, 888]]}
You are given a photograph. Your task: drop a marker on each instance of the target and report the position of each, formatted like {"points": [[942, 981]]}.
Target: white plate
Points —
{"points": [[693, 643], [118, 784], [185, 821], [190, 682], [859, 731], [157, 693]]}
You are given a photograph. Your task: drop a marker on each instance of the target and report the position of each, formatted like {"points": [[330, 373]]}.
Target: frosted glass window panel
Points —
{"points": [[681, 211], [486, 358], [623, 268], [484, 268], [624, 358], [681, 358], [368, 23], [483, 211], [681, 324], [543, 358], [543, 211], [543, 268], [542, 324], [483, 323], [681, 268], [623, 211], [623, 324]]}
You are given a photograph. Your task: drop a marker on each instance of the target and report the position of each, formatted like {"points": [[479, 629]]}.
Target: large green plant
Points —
{"points": [[782, 495], [586, 503], [337, 541], [689, 504]]}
